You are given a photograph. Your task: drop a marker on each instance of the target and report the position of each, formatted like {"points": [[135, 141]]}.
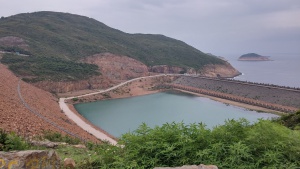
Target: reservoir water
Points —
{"points": [[123, 115], [119, 116]]}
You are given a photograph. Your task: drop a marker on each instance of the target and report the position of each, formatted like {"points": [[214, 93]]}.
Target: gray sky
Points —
{"points": [[221, 27]]}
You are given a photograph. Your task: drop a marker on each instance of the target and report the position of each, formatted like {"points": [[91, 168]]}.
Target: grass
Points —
{"points": [[81, 156]]}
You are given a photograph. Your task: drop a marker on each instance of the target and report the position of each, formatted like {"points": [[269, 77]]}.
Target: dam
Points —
{"points": [[279, 98], [272, 97]]}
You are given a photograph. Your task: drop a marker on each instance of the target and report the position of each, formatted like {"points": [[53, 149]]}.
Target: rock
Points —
{"points": [[30, 159], [226, 70], [170, 69], [79, 146], [183, 167], [69, 163], [46, 144], [13, 41], [202, 166]]}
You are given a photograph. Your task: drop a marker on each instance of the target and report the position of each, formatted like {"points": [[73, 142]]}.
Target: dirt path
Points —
{"points": [[100, 135]]}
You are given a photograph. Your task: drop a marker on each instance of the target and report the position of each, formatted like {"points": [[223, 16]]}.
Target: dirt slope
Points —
{"points": [[16, 117]]}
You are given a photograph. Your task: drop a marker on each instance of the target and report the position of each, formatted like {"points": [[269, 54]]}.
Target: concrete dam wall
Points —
{"points": [[289, 97]]}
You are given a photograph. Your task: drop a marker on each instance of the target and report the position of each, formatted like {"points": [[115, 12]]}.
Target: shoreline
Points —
{"points": [[100, 134], [233, 103], [72, 108], [131, 88], [94, 130]]}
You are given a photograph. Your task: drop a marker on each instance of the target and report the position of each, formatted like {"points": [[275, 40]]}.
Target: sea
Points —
{"points": [[119, 116], [283, 70]]}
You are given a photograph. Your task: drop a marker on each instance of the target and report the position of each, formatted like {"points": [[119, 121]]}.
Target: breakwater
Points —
{"points": [[273, 97]]}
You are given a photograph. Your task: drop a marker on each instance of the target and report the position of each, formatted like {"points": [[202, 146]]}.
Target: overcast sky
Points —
{"points": [[221, 27]]}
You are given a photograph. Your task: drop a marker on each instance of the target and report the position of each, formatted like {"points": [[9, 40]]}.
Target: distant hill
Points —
{"points": [[253, 57], [63, 39]]}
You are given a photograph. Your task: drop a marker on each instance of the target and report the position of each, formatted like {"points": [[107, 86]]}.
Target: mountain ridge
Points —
{"points": [[57, 46], [76, 36]]}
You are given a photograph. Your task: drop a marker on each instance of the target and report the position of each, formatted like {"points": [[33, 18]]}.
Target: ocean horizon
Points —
{"points": [[283, 70]]}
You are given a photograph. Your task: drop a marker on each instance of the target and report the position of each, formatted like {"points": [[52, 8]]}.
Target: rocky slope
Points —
{"points": [[16, 117], [225, 71], [117, 68]]}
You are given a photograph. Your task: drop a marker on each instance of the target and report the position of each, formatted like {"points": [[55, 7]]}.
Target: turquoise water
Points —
{"points": [[119, 116]]}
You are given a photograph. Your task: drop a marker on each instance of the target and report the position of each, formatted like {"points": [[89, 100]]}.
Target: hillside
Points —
{"points": [[17, 118], [72, 37], [253, 57]]}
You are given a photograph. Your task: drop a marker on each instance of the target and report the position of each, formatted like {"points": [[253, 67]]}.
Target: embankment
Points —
{"points": [[18, 118], [285, 97]]}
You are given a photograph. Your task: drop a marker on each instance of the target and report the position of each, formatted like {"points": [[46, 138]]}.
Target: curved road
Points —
{"points": [[100, 135]]}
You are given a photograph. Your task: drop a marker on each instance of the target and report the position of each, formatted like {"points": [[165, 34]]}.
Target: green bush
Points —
{"points": [[237, 144], [291, 121], [75, 99], [10, 141], [57, 137]]}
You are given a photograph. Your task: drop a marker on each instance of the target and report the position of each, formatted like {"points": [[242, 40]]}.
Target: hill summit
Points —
{"points": [[52, 46]]}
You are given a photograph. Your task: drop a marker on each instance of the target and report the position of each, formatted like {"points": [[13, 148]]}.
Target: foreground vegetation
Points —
{"points": [[236, 144], [291, 121]]}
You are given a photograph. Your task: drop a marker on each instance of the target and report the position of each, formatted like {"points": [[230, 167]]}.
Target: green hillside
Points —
{"points": [[72, 37]]}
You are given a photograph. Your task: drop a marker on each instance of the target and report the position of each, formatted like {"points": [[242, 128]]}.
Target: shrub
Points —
{"points": [[291, 121], [57, 137], [75, 99], [237, 144], [10, 141]]}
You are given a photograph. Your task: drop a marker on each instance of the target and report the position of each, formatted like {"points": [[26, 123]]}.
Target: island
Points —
{"points": [[253, 57]]}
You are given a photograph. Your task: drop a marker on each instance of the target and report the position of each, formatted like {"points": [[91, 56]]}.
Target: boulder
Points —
{"points": [[47, 144], [183, 167], [30, 159], [201, 166], [79, 146], [69, 163]]}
